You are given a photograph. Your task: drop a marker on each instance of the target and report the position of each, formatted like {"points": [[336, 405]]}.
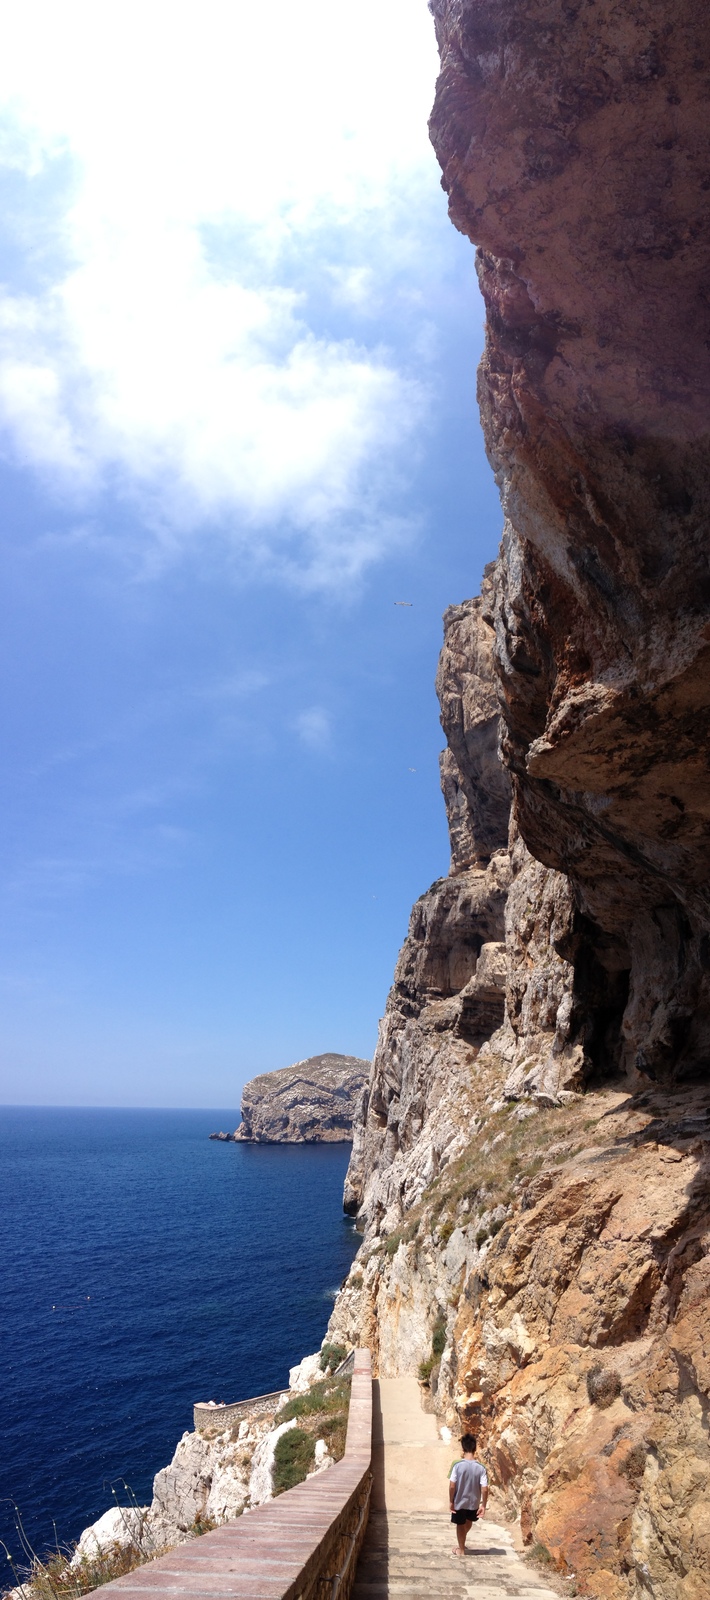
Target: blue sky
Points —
{"points": [[238, 339]]}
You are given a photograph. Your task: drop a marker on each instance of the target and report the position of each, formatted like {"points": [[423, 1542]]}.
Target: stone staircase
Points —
{"points": [[408, 1547], [410, 1554]]}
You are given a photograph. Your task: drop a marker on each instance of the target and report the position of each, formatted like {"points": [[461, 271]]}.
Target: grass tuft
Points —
{"points": [[541, 1555], [331, 1356], [54, 1578], [293, 1459], [323, 1411]]}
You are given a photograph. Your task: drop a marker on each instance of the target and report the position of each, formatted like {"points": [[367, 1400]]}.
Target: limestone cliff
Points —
{"points": [[312, 1101], [481, 1003], [536, 1241], [574, 151], [531, 1168]]}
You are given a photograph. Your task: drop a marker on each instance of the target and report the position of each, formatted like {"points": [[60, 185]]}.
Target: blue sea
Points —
{"points": [[144, 1267]]}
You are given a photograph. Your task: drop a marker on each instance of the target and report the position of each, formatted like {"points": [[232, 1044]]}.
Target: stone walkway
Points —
{"points": [[408, 1546]]}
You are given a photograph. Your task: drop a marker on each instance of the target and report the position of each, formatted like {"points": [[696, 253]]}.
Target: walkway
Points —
{"points": [[408, 1545]]}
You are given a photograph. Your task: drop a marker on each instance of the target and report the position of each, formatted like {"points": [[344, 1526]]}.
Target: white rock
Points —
{"points": [[206, 1481], [323, 1459], [460, 1252], [121, 1525], [308, 1372], [227, 1495], [181, 1490], [261, 1480]]}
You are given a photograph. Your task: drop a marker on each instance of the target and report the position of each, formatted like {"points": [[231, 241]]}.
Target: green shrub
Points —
{"points": [[328, 1396], [202, 1525], [540, 1554], [356, 1282], [293, 1458], [534, 1166], [438, 1336], [333, 1429], [438, 1341], [331, 1356]]}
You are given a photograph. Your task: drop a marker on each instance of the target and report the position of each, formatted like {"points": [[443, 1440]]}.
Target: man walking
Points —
{"points": [[468, 1492]]}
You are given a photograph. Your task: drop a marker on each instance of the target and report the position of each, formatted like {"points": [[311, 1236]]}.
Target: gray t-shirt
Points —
{"points": [[470, 1478]]}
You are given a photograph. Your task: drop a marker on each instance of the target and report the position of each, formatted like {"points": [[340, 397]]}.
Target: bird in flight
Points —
{"points": [[404, 602]]}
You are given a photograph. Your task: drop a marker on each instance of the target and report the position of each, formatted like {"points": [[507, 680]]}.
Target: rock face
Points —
{"points": [[531, 1165], [123, 1527], [481, 1003], [449, 985], [313, 1101], [573, 147], [564, 1255]]}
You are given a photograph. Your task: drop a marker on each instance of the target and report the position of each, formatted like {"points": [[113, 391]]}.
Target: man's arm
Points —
{"points": [[452, 1493], [484, 1500]]}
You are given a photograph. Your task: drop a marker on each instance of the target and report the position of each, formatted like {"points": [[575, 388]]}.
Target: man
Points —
{"points": [[468, 1492]]}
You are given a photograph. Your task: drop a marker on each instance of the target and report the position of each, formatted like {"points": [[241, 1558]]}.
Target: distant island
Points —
{"points": [[312, 1102]]}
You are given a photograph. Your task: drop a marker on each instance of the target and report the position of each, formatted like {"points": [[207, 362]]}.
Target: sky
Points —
{"points": [[238, 341]]}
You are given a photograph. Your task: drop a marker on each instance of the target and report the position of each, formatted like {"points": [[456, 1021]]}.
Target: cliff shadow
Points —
{"points": [[373, 1561]]}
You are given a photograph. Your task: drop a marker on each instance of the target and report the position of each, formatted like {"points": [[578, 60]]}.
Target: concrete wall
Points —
{"points": [[214, 1419]]}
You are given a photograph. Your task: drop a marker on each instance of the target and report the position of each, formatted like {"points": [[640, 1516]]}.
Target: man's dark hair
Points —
{"points": [[468, 1442]]}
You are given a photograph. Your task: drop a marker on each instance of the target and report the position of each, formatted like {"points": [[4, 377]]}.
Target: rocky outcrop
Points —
{"points": [[312, 1101], [572, 142], [448, 995], [475, 784], [552, 1235], [123, 1527], [482, 1006]]}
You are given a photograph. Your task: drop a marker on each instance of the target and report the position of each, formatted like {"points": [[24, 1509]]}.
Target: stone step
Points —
{"points": [[481, 1591], [404, 1567]]}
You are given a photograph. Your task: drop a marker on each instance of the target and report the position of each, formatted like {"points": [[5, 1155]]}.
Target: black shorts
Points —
{"points": [[460, 1517]]}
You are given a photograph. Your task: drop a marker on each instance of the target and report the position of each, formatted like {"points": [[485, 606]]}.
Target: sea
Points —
{"points": [[144, 1267]]}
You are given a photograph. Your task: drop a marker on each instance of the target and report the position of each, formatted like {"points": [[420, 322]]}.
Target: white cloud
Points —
{"points": [[219, 154], [313, 727]]}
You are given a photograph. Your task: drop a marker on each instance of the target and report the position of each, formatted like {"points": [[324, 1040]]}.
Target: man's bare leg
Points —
{"points": [[462, 1528]]}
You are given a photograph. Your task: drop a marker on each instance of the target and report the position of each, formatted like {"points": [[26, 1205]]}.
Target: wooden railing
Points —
{"points": [[302, 1546]]}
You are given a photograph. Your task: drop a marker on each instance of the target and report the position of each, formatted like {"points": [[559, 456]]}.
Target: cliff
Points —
{"points": [[536, 1231], [573, 146], [312, 1101], [531, 1165]]}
